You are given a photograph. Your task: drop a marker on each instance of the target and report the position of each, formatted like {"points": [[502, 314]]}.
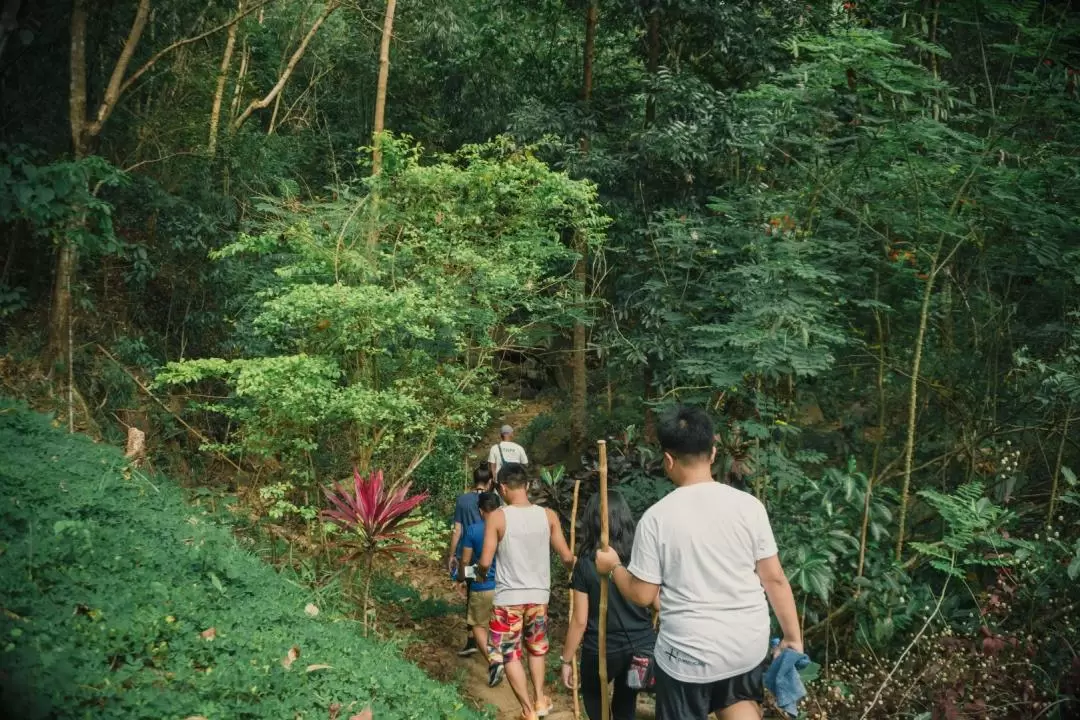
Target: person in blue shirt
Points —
{"points": [[482, 592], [467, 513]]}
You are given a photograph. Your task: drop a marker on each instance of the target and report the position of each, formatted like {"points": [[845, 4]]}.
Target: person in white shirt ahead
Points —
{"points": [[505, 451], [707, 549]]}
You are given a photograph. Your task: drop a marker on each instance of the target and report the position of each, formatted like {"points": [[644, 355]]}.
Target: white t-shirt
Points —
{"points": [[513, 453], [701, 545]]}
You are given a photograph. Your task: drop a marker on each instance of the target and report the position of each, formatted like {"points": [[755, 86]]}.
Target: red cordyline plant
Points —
{"points": [[377, 513]]}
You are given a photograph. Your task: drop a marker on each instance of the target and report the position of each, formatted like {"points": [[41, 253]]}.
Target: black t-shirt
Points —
{"points": [[629, 627]]}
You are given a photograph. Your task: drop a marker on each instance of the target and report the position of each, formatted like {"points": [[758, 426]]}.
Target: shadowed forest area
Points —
{"points": [[265, 243]]}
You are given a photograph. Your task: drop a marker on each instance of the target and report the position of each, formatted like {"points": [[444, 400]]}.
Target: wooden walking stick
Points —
{"points": [[605, 695], [573, 549]]}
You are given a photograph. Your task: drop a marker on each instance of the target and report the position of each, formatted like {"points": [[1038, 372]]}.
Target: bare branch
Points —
{"points": [[287, 73], [187, 41], [115, 87]]}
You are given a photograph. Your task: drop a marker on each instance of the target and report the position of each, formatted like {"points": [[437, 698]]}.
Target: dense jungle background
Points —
{"points": [[287, 239]]}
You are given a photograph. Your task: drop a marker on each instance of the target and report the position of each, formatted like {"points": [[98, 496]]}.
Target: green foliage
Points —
{"points": [[59, 200], [121, 601], [974, 534], [376, 330]]}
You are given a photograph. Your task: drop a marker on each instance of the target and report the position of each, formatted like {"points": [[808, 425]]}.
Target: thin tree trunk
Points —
{"points": [[880, 437], [66, 258], [380, 89], [579, 384], [579, 376], [223, 76], [265, 101], [238, 88], [652, 40], [367, 588], [1057, 468], [650, 414], [913, 397]]}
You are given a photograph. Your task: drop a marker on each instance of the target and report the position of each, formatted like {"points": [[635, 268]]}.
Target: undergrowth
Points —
{"points": [[121, 601]]}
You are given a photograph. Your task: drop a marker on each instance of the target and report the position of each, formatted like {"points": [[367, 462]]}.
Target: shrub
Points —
{"points": [[121, 601]]}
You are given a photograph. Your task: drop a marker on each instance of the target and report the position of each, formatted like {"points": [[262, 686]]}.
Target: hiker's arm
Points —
{"points": [[558, 540], [642, 586], [494, 527], [575, 631], [634, 588], [778, 590], [455, 537]]}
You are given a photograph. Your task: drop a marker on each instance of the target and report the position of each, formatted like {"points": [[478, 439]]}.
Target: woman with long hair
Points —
{"points": [[629, 627]]}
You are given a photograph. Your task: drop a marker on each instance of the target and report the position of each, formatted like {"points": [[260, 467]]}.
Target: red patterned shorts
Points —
{"points": [[513, 626]]}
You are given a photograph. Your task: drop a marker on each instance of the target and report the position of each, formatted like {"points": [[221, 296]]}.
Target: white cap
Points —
{"points": [[506, 430]]}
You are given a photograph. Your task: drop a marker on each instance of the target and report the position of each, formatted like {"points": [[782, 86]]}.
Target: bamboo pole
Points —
{"points": [[570, 592], [605, 695]]}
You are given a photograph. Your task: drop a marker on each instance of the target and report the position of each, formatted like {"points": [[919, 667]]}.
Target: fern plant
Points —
{"points": [[974, 534]]}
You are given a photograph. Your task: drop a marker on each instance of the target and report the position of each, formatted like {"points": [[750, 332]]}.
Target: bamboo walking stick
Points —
{"points": [[573, 548], [605, 695]]}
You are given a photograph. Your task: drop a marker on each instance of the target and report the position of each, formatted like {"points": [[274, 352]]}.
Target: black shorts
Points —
{"points": [[678, 700]]}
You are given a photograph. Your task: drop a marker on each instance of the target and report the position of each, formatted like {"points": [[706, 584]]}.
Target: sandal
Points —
{"points": [[544, 710]]}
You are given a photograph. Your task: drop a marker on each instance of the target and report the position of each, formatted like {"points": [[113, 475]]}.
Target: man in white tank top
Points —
{"points": [[518, 536]]}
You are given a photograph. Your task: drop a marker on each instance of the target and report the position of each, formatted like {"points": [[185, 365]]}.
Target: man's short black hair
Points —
{"points": [[489, 502], [686, 432], [481, 476], [513, 476]]}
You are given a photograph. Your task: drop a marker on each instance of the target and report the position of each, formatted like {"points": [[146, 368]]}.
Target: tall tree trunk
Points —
{"points": [[579, 388], [380, 89], [223, 76], [67, 253]]}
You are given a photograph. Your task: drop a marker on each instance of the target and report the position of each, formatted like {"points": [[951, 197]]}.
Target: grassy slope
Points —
{"points": [[107, 580]]}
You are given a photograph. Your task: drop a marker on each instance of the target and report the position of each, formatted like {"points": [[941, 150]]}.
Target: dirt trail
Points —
{"points": [[439, 638], [519, 419]]}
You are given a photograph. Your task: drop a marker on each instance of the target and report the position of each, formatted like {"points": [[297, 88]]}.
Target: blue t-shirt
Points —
{"points": [[474, 538], [466, 512]]}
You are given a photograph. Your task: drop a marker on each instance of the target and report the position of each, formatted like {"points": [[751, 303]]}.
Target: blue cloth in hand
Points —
{"points": [[783, 681]]}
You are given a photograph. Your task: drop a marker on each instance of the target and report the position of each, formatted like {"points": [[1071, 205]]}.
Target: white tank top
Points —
{"points": [[524, 558]]}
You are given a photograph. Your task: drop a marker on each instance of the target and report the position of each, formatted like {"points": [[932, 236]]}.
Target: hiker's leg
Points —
{"points": [[515, 675], [740, 697], [479, 615], [504, 643], [589, 682], [742, 710], [470, 637], [677, 700], [623, 698], [536, 647], [480, 637]]}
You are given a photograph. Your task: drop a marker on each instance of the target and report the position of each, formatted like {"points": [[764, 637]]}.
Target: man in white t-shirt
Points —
{"points": [[505, 451], [707, 549]]}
